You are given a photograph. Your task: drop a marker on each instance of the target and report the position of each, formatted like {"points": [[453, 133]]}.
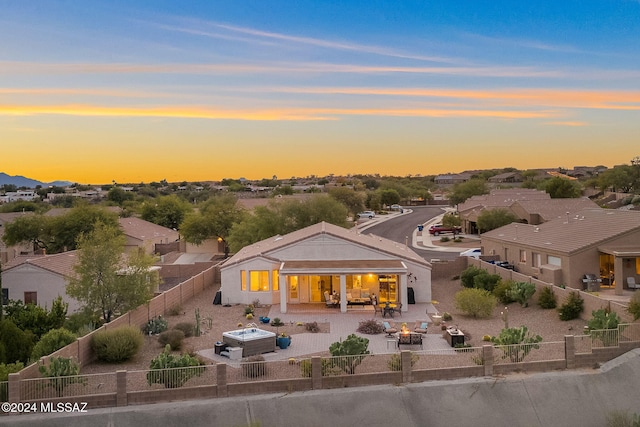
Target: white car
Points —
{"points": [[473, 253], [396, 208], [367, 214]]}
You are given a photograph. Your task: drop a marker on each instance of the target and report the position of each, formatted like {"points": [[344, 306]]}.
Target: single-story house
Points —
{"points": [[145, 234], [40, 279], [304, 266], [600, 242]]}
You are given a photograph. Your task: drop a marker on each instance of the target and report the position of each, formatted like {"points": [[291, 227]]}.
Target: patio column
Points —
{"points": [[403, 291], [343, 293], [618, 271], [284, 290]]}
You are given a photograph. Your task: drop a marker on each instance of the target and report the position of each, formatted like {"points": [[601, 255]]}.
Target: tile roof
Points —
{"points": [[585, 229], [556, 208], [61, 264], [267, 246], [502, 198], [143, 230]]}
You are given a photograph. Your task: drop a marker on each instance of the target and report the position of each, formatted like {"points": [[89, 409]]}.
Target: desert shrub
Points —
{"points": [[486, 281], [475, 302], [446, 316], [277, 322], [155, 326], [370, 327], [15, 344], [634, 306], [395, 361], [620, 418], [468, 275], [327, 368], [501, 292], [173, 371], [547, 298], [572, 308], [312, 327], [516, 343], [175, 310], [52, 341], [187, 328], [444, 239], [254, 366], [522, 292], [5, 370], [117, 345], [173, 338], [249, 309]]}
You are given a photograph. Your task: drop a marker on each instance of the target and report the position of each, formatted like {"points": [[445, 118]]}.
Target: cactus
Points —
{"points": [[516, 343], [197, 331], [62, 372]]}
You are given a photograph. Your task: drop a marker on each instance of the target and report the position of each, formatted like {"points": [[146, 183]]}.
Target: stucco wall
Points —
{"points": [[48, 285]]}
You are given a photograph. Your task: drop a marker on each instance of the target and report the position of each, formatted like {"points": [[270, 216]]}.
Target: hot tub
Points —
{"points": [[252, 340]]}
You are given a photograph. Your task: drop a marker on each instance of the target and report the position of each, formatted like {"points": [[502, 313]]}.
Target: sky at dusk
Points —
{"points": [[140, 91]]}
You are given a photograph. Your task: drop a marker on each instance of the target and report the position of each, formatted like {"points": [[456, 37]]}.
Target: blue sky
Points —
{"points": [[201, 90]]}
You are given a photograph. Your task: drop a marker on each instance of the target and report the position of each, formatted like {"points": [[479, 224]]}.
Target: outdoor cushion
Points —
{"points": [[423, 325], [386, 325]]}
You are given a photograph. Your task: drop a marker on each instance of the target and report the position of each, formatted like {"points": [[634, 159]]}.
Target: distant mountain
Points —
{"points": [[21, 181]]}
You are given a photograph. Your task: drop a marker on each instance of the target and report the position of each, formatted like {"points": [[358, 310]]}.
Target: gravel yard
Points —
{"points": [[216, 319]]}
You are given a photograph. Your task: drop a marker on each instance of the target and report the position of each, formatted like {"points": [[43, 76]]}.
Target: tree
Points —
{"points": [[462, 191], [60, 233], [562, 188], [389, 197], [284, 216], [353, 200], [494, 218], [15, 344], [118, 195], [215, 219], [167, 211], [106, 282]]}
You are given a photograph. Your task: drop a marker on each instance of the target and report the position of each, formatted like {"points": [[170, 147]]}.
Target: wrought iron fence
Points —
{"points": [[75, 385], [533, 352], [4, 391], [260, 370], [152, 379], [449, 358]]}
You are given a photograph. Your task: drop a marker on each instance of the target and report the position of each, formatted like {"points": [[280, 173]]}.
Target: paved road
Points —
{"points": [[400, 228]]}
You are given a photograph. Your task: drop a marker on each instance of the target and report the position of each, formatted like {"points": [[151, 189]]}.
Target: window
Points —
{"points": [[535, 259], [554, 260], [243, 280], [259, 280], [523, 256], [5, 296], [275, 280], [31, 298]]}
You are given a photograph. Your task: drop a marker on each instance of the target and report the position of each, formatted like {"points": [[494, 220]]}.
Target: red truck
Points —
{"points": [[437, 229]]}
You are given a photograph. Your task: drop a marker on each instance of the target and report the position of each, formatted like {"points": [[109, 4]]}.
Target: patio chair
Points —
{"points": [[377, 309], [329, 300], [389, 328], [421, 326], [631, 283], [399, 308]]}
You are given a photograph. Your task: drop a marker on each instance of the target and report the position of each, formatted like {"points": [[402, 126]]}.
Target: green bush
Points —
{"points": [[468, 275], [82, 321], [501, 292], [572, 308], [522, 292], [52, 341], [165, 369], [155, 326], [187, 328], [486, 281], [312, 327], [604, 319], [444, 239], [634, 306], [547, 298], [173, 338], [15, 345], [117, 345], [5, 370], [446, 316], [475, 302]]}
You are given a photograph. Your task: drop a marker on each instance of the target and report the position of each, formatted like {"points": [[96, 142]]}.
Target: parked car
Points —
{"points": [[396, 208], [437, 229], [367, 214], [473, 253]]}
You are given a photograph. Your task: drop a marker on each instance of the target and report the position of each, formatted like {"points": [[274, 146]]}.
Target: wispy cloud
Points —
{"points": [[281, 114], [570, 124]]}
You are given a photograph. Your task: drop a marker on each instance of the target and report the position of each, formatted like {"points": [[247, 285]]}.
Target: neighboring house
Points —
{"points": [[145, 234], [603, 242], [452, 178], [470, 209], [14, 196], [40, 279], [298, 268], [507, 177], [536, 212]]}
